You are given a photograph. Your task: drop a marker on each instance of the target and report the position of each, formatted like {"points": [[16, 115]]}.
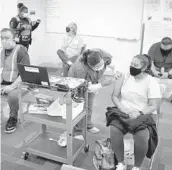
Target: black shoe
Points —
{"points": [[11, 125]]}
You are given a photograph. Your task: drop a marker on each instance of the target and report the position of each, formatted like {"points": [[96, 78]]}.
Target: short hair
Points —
{"points": [[166, 41], [146, 61], [8, 30]]}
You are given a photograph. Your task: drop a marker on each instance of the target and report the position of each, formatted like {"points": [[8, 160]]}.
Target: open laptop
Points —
{"points": [[39, 75], [34, 74]]}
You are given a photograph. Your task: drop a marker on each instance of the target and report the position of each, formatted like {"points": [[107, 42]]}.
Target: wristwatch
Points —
{"points": [[141, 113]]}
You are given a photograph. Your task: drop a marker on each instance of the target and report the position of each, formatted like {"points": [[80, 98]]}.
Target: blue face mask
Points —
{"points": [[135, 71]]}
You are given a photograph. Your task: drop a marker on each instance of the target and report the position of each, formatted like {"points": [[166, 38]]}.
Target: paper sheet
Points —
{"points": [[56, 109]]}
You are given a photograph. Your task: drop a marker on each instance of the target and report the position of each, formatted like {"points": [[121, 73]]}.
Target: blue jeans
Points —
{"points": [[79, 127]]}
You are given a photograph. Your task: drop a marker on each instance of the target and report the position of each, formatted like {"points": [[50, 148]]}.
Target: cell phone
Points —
{"points": [[160, 74]]}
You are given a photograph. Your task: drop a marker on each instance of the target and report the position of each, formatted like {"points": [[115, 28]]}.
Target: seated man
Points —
{"points": [[161, 54], [11, 55], [135, 94], [71, 48]]}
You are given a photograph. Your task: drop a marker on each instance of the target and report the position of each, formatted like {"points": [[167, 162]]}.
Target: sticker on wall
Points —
{"points": [[31, 69]]}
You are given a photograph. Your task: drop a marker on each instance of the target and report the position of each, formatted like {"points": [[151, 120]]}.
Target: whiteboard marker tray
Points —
{"points": [[44, 147]]}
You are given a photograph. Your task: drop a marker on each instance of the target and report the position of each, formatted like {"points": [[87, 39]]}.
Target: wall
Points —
{"points": [[44, 46]]}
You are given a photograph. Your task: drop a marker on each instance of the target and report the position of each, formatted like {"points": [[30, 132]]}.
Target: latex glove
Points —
{"points": [[134, 114], [164, 75], [94, 88], [7, 89], [118, 75], [69, 63]]}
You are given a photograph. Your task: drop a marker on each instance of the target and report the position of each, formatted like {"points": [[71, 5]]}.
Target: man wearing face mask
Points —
{"points": [[23, 26], [161, 55], [11, 55], [71, 48]]}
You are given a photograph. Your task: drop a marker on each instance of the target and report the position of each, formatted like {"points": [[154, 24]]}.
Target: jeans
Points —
{"points": [[79, 127]]}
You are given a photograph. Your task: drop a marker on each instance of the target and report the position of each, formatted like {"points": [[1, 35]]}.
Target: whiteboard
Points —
{"points": [[104, 18], [158, 22]]}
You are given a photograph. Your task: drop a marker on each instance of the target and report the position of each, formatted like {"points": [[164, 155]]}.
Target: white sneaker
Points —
{"points": [[135, 168], [121, 166], [94, 130], [63, 140], [80, 137]]}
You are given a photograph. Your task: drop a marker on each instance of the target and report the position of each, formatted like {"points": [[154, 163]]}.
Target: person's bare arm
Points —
{"points": [[153, 105], [117, 92]]}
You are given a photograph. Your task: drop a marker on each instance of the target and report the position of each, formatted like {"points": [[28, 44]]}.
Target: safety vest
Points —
{"points": [[25, 35], [9, 64]]}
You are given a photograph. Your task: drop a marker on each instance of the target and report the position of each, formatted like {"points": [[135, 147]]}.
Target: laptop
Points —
{"points": [[34, 74], [39, 75]]}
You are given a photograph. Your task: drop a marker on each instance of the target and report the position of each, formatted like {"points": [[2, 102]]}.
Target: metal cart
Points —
{"points": [[41, 145]]}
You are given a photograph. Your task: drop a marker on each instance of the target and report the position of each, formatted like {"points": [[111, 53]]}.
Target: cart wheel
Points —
{"points": [[86, 148], [26, 155]]}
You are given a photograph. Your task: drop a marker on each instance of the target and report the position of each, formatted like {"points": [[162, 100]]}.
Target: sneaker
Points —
{"points": [[63, 140], [121, 166], [94, 130], [80, 137], [135, 168], [11, 125]]}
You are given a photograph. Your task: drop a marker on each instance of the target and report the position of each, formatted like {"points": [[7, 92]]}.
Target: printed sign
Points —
{"points": [[31, 69]]}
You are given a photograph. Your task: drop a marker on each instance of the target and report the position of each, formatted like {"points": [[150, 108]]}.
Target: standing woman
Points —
{"points": [[23, 26]]}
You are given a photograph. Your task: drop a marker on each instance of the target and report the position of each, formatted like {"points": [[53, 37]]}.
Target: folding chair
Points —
{"points": [[83, 49]]}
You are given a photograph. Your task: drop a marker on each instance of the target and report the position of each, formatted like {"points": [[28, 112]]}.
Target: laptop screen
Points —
{"points": [[34, 74]]}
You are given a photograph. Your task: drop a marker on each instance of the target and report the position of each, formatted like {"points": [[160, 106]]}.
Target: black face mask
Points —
{"points": [[67, 29], [135, 71], [165, 52]]}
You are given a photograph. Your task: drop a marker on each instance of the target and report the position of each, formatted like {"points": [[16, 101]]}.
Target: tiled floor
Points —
{"points": [[12, 145]]}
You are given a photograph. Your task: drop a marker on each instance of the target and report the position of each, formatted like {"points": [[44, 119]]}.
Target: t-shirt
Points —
{"points": [[135, 94], [22, 56], [160, 60], [72, 45]]}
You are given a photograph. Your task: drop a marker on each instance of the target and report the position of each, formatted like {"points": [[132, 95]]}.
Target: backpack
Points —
{"points": [[104, 157]]}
